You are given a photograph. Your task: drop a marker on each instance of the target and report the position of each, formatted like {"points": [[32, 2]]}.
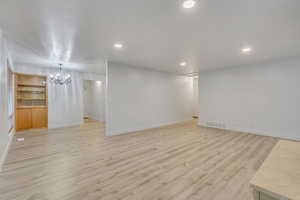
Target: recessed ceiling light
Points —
{"points": [[246, 50], [189, 3], [118, 45], [182, 64]]}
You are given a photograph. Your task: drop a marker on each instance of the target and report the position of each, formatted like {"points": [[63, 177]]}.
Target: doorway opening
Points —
{"points": [[93, 101]]}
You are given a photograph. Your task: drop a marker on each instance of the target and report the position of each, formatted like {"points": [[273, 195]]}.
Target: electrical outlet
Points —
{"points": [[20, 139]]}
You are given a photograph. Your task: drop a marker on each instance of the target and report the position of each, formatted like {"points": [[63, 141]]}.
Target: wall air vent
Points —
{"points": [[216, 125]]}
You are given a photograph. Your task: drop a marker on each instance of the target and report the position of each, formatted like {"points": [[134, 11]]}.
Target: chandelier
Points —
{"points": [[60, 77]]}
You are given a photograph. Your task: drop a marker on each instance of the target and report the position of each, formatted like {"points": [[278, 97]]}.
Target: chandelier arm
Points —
{"points": [[61, 78]]}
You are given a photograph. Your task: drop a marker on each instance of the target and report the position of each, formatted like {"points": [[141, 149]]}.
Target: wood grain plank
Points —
{"points": [[181, 161]]}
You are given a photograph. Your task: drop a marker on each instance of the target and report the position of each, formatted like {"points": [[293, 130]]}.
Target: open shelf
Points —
{"points": [[30, 85], [31, 90], [31, 99]]}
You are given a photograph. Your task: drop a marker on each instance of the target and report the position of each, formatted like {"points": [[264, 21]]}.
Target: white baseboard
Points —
{"points": [[63, 125], [101, 119], [251, 131], [121, 132], [3, 158]]}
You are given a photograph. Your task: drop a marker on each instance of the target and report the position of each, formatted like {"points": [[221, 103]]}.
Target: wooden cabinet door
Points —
{"points": [[23, 119], [39, 118]]}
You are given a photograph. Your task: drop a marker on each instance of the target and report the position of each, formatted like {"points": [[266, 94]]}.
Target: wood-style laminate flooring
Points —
{"points": [[177, 162]]}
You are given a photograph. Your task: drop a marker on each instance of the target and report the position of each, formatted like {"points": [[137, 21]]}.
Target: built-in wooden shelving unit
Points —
{"points": [[31, 101]]}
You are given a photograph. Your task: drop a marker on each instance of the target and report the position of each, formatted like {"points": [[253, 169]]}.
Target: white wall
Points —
{"points": [[139, 99], [262, 99], [87, 98], [94, 99], [65, 103], [195, 96], [5, 137], [11, 97], [98, 100]]}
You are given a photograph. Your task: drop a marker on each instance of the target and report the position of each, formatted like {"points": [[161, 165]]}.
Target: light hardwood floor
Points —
{"points": [[179, 162]]}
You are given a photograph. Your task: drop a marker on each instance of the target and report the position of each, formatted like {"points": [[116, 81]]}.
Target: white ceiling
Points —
{"points": [[157, 34]]}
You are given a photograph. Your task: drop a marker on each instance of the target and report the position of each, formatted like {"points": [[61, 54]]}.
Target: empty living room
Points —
{"points": [[149, 100]]}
